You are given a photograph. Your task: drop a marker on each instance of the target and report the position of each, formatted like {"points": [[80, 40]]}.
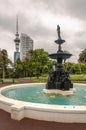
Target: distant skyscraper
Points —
{"points": [[17, 41], [26, 44]]}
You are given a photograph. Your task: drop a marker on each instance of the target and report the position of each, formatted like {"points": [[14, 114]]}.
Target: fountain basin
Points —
{"points": [[61, 92], [47, 112]]}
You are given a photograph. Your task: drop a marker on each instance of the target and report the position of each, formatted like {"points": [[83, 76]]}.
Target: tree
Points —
{"points": [[75, 68], [4, 61], [38, 62], [18, 69], [39, 59], [82, 56]]}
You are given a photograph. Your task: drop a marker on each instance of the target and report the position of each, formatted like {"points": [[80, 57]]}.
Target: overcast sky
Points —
{"points": [[39, 20]]}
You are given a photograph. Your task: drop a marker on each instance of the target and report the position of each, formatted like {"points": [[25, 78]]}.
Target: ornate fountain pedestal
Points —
{"points": [[58, 81]]}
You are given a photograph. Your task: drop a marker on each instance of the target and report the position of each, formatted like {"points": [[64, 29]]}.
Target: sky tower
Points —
{"points": [[17, 41]]}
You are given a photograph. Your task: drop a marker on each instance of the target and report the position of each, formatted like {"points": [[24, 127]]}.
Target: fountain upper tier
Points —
{"points": [[60, 53], [59, 41]]}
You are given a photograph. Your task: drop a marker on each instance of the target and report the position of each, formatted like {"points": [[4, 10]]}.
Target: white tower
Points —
{"points": [[17, 41]]}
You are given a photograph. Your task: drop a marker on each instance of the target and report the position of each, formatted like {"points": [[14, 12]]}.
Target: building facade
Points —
{"points": [[26, 44], [16, 56]]}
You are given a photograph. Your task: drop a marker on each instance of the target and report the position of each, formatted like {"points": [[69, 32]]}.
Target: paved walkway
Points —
{"points": [[6, 123]]}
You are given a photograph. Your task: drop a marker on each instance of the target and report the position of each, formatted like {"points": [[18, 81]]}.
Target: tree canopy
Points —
{"points": [[36, 63], [4, 61], [82, 56]]}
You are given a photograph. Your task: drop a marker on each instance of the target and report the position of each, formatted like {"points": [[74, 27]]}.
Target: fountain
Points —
{"points": [[31, 101], [59, 78]]}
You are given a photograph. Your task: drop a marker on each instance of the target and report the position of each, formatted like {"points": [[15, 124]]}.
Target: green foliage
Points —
{"points": [[82, 56], [36, 63], [75, 68], [4, 62], [18, 71], [39, 62], [80, 68], [83, 68]]}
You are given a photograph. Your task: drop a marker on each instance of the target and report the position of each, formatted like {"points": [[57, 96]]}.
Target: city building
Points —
{"points": [[17, 41], [26, 44]]}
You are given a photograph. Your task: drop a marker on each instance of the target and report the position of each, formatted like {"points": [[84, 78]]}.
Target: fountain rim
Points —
{"points": [[12, 105]]}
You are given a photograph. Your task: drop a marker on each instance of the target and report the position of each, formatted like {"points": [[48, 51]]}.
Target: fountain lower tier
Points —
{"points": [[59, 79]]}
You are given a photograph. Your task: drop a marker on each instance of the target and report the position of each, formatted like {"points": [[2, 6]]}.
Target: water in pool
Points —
{"points": [[35, 94]]}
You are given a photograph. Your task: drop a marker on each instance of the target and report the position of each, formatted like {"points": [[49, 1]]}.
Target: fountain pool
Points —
{"points": [[35, 94], [28, 100]]}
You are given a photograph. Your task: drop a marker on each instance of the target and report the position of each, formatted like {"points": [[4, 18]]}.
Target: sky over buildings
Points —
{"points": [[39, 19]]}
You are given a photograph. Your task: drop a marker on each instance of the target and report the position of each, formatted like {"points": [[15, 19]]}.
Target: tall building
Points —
{"points": [[26, 44], [17, 41]]}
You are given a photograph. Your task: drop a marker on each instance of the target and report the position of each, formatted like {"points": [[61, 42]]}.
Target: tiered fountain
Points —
{"points": [[29, 100], [58, 81]]}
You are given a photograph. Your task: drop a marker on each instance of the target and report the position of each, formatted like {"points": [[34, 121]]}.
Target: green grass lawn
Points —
{"points": [[80, 78], [75, 78], [38, 80]]}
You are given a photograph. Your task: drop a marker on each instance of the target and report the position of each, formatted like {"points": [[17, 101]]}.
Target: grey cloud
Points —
{"points": [[76, 8], [6, 3], [81, 44], [53, 6], [7, 23], [30, 22]]}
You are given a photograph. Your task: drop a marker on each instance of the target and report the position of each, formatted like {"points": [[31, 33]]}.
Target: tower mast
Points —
{"points": [[17, 24], [17, 41]]}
